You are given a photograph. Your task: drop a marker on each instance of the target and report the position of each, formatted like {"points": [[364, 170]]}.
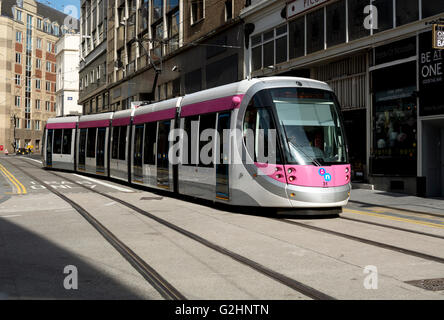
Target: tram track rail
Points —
{"points": [[165, 289], [279, 277], [405, 251]]}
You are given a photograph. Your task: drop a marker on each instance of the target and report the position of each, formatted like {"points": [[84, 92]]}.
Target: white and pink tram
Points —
{"points": [[270, 142]]}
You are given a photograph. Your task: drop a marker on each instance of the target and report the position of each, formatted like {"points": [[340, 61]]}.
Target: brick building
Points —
{"points": [[29, 31]]}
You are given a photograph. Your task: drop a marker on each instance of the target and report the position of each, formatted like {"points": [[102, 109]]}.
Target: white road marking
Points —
{"points": [[11, 216], [104, 183], [33, 160]]}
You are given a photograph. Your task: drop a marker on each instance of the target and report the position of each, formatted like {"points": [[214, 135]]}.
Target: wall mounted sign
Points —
{"points": [[431, 77], [298, 6], [438, 36]]}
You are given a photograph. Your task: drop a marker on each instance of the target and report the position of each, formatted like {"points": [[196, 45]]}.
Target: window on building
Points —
{"points": [[37, 125], [297, 38], [37, 104], [315, 31], [18, 79], [228, 10], [17, 101], [256, 52], [18, 58], [37, 84], [39, 43], [18, 36], [38, 63], [49, 46], [173, 31], [18, 15], [46, 26], [39, 23], [431, 8], [356, 17], [406, 11], [281, 44], [47, 106], [268, 48], [48, 86], [197, 10], [157, 10], [385, 15], [336, 30]]}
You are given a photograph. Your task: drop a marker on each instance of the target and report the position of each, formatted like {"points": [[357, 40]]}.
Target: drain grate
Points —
{"points": [[428, 284], [151, 198]]}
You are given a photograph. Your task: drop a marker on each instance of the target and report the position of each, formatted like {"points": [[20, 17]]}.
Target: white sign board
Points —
{"points": [[298, 6]]}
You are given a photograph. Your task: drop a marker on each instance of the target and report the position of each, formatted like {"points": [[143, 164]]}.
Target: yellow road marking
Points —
{"points": [[429, 224], [20, 187]]}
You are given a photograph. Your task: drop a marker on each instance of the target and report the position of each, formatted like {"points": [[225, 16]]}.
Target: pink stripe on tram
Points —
{"points": [[216, 105], [121, 122], [155, 116], [94, 124], [65, 125]]}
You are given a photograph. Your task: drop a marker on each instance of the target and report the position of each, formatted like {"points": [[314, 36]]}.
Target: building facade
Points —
{"points": [[93, 94], [189, 45], [67, 49], [378, 58], [29, 31]]}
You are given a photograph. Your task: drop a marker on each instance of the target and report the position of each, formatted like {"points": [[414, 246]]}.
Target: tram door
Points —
{"points": [[100, 150], [82, 149], [138, 149], [222, 168], [49, 147], [163, 174]]}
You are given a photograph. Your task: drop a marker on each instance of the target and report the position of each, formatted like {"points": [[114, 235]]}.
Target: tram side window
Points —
{"points": [[115, 144], [206, 158], [122, 143], [91, 145], [57, 148], [67, 139], [191, 141], [257, 127], [150, 143]]}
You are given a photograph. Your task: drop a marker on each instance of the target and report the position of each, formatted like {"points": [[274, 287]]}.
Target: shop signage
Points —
{"points": [[395, 51], [438, 36], [298, 6], [431, 77]]}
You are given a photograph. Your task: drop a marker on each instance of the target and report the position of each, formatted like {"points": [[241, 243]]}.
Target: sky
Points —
{"points": [[62, 5]]}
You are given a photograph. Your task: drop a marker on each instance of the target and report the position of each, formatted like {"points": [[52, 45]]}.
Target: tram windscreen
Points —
{"points": [[311, 125]]}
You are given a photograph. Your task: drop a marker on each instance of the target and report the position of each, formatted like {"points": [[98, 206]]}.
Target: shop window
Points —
{"points": [[91, 145], [67, 139], [395, 121], [356, 18], [431, 8], [315, 31], [406, 11], [385, 15], [150, 143], [336, 23], [296, 38]]}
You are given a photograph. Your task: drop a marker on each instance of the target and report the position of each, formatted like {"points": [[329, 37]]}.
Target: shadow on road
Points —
{"points": [[31, 267]]}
